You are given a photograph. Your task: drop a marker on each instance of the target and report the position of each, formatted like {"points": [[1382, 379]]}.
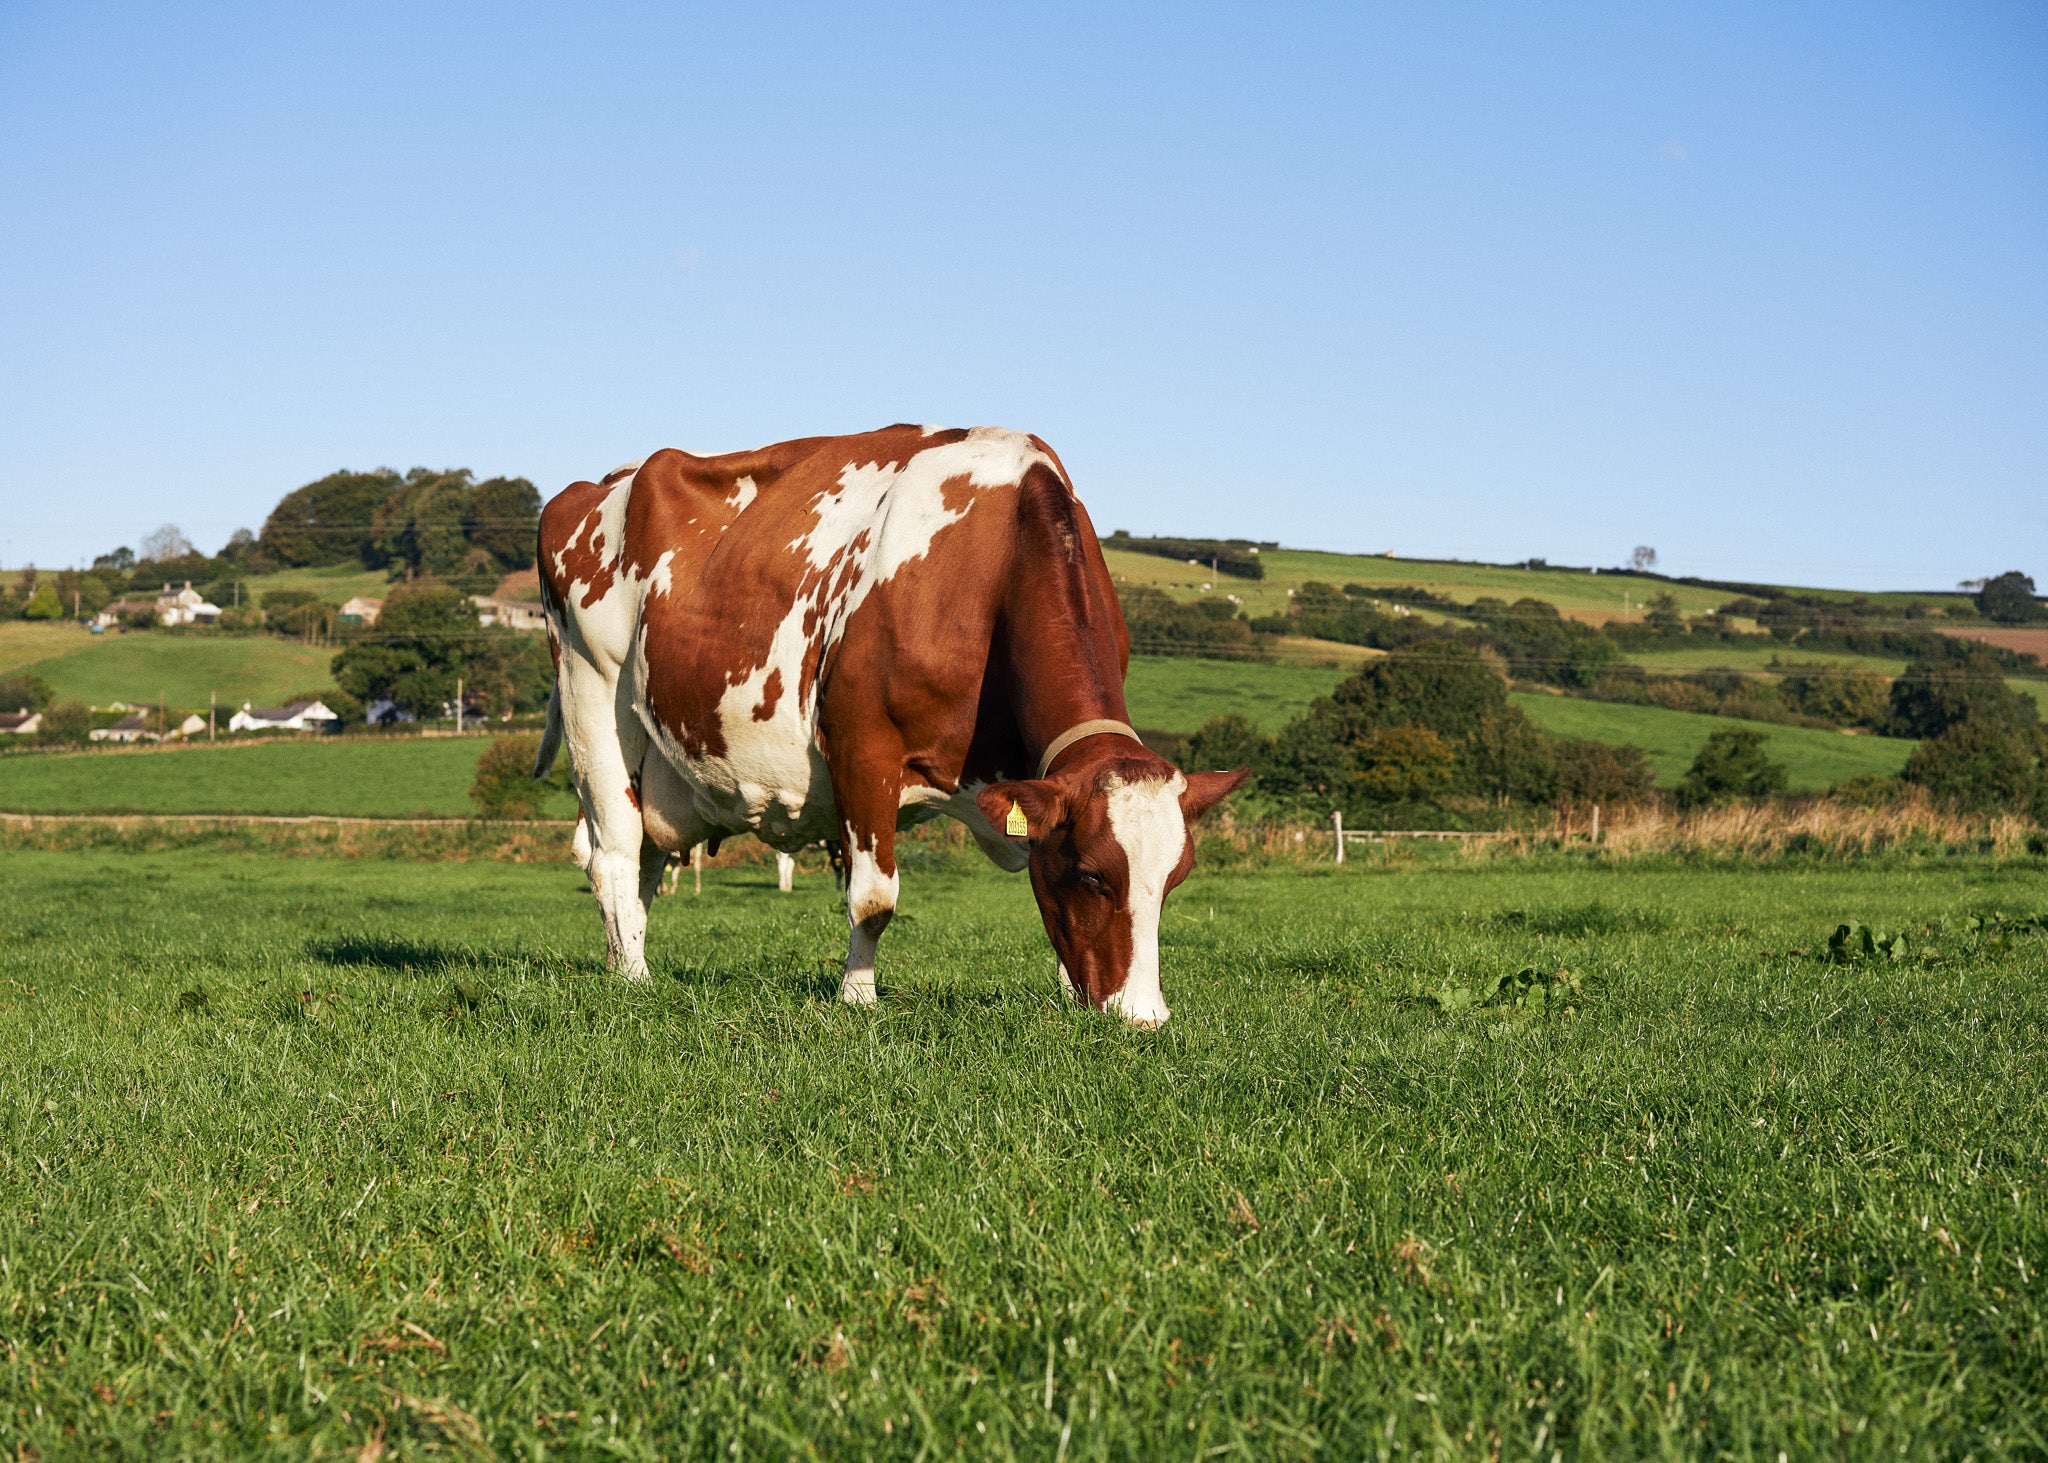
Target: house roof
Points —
{"points": [[283, 713], [9, 720], [133, 721]]}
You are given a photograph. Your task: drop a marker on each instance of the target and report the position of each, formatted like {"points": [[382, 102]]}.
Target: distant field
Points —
{"points": [[1178, 694], [1815, 760], [1593, 595], [367, 778], [140, 667], [335, 583], [1756, 659]]}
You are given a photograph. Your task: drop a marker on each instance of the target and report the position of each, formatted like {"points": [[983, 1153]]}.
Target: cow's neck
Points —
{"points": [[1065, 655]]}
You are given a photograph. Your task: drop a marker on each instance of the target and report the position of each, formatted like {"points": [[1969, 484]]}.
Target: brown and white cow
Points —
{"points": [[842, 636]]}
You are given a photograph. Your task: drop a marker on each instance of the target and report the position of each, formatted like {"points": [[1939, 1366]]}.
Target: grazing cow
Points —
{"points": [[838, 637]]}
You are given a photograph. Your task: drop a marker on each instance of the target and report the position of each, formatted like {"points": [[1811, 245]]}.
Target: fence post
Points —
{"points": [[1596, 823], [1337, 824], [458, 705]]}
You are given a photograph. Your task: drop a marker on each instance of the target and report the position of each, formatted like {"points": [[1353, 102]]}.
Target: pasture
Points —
{"points": [[307, 1155], [1814, 759], [181, 668], [361, 777]]}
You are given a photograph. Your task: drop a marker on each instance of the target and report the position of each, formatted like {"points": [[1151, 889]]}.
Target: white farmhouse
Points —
{"points": [[299, 716], [21, 723], [185, 606], [362, 610]]}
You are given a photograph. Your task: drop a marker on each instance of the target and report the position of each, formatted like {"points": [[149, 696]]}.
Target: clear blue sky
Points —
{"points": [[1765, 286]]}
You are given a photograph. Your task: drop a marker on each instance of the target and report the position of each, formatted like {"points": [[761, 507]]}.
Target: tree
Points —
{"points": [[1400, 764], [43, 604], [23, 691], [1933, 695], [1979, 766], [1228, 742], [1730, 765], [1644, 559], [428, 638], [333, 520], [1594, 772], [164, 543], [2009, 599], [120, 561]]}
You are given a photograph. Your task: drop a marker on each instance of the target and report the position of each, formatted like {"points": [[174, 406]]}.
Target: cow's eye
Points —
{"points": [[1094, 881]]}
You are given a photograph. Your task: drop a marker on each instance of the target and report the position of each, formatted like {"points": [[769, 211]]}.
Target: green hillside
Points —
{"points": [[1815, 760], [1179, 693], [366, 777], [181, 668]]}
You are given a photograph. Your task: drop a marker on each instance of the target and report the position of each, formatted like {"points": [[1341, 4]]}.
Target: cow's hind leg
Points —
{"points": [[606, 748], [868, 822]]}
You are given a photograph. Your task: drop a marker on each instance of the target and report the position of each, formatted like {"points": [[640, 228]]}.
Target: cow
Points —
{"points": [[840, 637]]}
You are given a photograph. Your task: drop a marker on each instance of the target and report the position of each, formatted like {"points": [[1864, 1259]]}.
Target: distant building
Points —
{"points": [[362, 610], [511, 613], [113, 614], [299, 716], [131, 728], [21, 723], [191, 726], [185, 606]]}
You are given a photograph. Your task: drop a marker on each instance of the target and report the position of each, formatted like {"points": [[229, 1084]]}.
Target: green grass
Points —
{"points": [[182, 668], [350, 777], [1815, 760], [405, 1164], [1179, 693], [1755, 659]]}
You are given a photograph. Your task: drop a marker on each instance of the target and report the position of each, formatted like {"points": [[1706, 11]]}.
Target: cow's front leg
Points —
{"points": [[870, 835]]}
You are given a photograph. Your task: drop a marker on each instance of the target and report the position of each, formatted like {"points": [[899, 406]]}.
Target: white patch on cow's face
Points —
{"points": [[1146, 820], [743, 493]]}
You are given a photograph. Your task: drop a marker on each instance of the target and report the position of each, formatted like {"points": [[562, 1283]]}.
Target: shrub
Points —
{"points": [[66, 723], [1594, 772], [43, 604], [1731, 765], [1934, 695], [1978, 766], [23, 692], [1229, 741], [505, 786], [1161, 625], [1838, 695]]}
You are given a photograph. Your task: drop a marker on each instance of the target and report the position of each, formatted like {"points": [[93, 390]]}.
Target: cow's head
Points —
{"points": [[1107, 842]]}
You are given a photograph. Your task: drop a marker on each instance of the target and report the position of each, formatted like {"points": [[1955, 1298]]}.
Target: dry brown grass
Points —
{"points": [[1820, 826]]}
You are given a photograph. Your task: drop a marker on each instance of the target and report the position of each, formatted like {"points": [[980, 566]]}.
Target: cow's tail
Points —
{"points": [[551, 736]]}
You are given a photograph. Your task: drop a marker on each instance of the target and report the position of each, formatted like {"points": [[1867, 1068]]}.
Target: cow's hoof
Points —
{"points": [[857, 992], [635, 974], [1146, 1023]]}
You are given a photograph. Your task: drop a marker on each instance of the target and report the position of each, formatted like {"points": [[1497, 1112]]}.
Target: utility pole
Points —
{"points": [[209, 715], [458, 703]]}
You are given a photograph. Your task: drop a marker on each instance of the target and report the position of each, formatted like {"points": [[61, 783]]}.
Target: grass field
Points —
{"points": [[1814, 760], [100, 669], [307, 1155], [1291, 568], [347, 777], [1179, 693]]}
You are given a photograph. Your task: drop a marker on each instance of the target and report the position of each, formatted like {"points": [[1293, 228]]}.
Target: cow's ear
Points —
{"points": [[1206, 789], [1022, 809]]}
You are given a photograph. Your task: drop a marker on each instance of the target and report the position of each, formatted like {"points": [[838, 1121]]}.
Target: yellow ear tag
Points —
{"points": [[1016, 824]]}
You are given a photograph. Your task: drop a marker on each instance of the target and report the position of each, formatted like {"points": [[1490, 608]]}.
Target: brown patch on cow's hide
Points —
{"points": [[571, 514], [771, 692]]}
